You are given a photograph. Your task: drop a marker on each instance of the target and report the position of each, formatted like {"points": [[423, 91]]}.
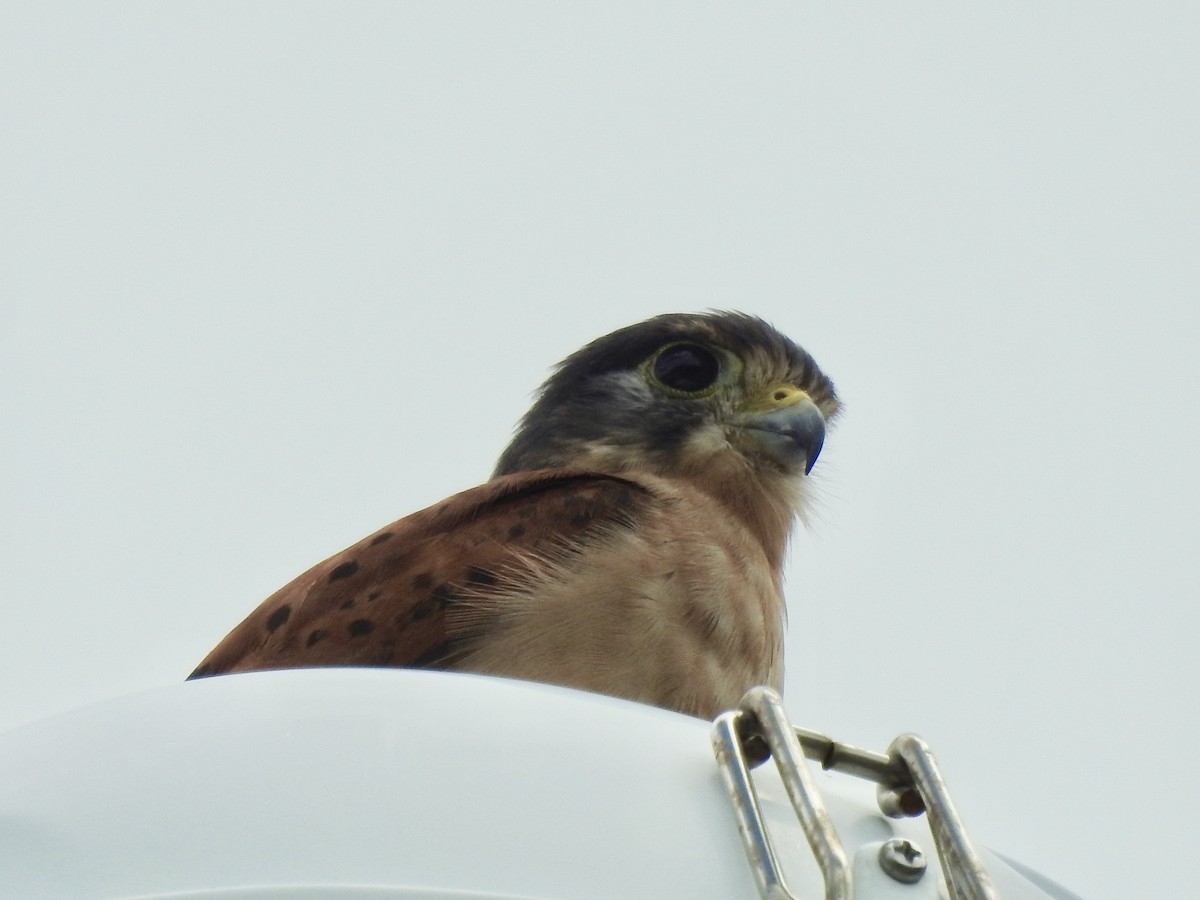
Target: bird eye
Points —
{"points": [[688, 368]]}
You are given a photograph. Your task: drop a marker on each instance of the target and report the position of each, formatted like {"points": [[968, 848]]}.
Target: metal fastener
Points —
{"points": [[902, 860]]}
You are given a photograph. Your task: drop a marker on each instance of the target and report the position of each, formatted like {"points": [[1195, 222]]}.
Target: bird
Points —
{"points": [[630, 542]]}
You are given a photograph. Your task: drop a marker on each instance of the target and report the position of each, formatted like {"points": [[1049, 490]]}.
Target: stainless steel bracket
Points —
{"points": [[909, 783], [966, 877], [762, 718]]}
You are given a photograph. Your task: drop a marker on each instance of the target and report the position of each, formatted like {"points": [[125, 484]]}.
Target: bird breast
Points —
{"points": [[682, 610]]}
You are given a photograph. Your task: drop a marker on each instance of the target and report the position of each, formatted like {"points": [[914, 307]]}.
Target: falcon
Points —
{"points": [[630, 543]]}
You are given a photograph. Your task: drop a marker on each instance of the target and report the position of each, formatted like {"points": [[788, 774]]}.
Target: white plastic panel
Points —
{"points": [[370, 783]]}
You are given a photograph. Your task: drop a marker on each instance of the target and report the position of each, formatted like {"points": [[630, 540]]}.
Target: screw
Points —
{"points": [[902, 860]]}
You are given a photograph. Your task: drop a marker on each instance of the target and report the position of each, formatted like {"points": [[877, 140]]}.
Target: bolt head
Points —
{"points": [[902, 860]]}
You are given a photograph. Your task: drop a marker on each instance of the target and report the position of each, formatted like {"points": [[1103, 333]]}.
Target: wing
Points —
{"points": [[396, 597]]}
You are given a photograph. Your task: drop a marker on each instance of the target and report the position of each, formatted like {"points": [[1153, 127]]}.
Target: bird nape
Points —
{"points": [[630, 542]]}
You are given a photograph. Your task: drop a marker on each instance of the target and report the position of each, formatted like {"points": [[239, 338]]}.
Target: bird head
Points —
{"points": [[721, 399]]}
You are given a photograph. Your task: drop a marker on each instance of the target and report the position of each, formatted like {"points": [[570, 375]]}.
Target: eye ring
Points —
{"points": [[686, 369]]}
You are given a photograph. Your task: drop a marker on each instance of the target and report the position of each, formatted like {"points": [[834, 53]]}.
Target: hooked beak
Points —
{"points": [[784, 426]]}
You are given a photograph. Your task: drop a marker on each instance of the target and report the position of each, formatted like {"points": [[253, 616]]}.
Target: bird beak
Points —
{"points": [[783, 425]]}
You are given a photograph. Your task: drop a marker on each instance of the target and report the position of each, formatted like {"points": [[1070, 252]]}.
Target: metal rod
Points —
{"points": [[736, 774], [966, 877], [900, 797], [767, 706], [850, 760]]}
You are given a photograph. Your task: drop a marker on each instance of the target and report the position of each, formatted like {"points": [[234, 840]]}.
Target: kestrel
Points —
{"points": [[630, 542]]}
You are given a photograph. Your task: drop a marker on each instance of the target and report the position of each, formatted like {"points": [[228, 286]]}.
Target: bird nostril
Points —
{"points": [[781, 395]]}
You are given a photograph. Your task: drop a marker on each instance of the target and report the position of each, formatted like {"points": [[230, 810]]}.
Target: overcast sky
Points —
{"points": [[275, 274]]}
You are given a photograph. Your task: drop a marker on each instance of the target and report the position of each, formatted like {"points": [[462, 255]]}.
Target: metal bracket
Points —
{"points": [[909, 783], [763, 718], [966, 878]]}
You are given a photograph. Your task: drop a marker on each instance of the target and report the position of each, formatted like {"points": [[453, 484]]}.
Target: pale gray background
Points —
{"points": [[274, 274]]}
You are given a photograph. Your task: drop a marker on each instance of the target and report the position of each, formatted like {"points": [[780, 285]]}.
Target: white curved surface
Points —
{"points": [[373, 783]]}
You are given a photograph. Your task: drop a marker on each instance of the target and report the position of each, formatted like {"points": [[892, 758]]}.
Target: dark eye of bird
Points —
{"points": [[687, 367]]}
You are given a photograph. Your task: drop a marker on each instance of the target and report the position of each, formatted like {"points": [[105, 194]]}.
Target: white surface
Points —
{"points": [[275, 274], [436, 784]]}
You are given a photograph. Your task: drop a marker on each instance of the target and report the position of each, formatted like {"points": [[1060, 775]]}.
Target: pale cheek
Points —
{"points": [[707, 441], [599, 457]]}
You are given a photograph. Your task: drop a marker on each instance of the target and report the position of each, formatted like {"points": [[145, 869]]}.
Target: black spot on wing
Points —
{"points": [[278, 617], [360, 627], [345, 570]]}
